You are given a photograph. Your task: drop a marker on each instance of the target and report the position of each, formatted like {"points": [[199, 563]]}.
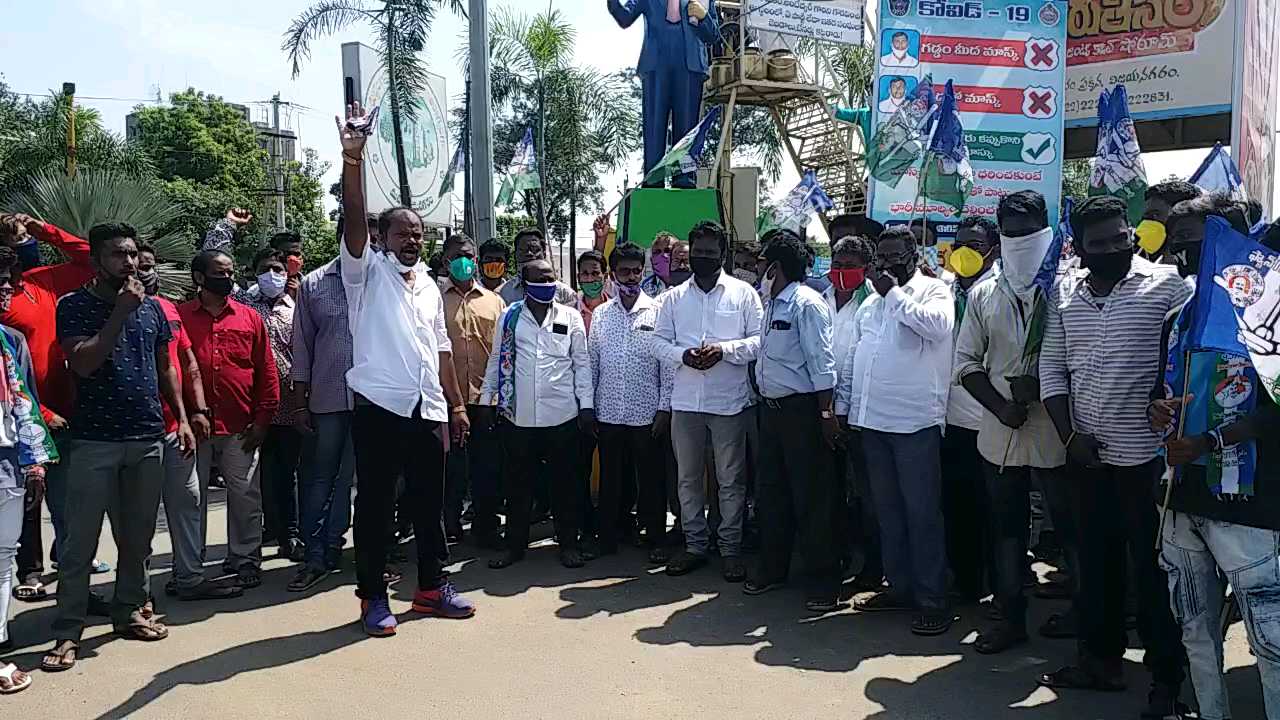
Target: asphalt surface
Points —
{"points": [[617, 639]]}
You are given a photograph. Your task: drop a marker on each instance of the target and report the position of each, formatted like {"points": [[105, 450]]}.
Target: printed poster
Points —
{"points": [[1006, 58]]}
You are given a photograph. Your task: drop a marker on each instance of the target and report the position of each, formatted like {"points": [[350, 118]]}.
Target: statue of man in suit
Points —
{"points": [[673, 66]]}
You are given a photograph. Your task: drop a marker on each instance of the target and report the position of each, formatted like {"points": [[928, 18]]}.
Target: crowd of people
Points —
{"points": [[902, 432]]}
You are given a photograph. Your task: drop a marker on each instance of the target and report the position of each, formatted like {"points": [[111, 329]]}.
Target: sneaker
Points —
{"points": [[376, 617], [443, 602]]}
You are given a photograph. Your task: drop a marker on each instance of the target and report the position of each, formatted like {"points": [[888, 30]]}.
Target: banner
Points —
{"points": [[1005, 59], [836, 21], [1253, 137], [1175, 57]]}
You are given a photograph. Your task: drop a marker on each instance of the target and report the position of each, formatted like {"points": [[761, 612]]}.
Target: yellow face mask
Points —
{"points": [[965, 262], [1151, 236]]}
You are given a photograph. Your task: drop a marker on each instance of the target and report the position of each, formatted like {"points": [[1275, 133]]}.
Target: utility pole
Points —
{"points": [[69, 89], [277, 165], [480, 152], [468, 200]]}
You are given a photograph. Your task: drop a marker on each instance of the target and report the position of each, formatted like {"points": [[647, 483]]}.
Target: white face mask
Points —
{"points": [[271, 284], [1021, 257]]}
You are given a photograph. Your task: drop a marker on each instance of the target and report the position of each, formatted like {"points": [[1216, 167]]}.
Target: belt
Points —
{"points": [[778, 403]]}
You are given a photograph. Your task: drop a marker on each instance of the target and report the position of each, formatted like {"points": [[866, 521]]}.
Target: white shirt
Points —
{"points": [[631, 384], [552, 368], [899, 375], [842, 323], [397, 333], [891, 60], [728, 316], [963, 409], [890, 105]]}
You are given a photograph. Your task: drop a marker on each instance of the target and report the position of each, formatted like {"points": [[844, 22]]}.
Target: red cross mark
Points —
{"points": [[1038, 103], [1042, 54]]}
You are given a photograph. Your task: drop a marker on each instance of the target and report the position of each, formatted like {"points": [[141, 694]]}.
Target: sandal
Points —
{"points": [[932, 622], [61, 657], [31, 590], [307, 578], [999, 638], [883, 601], [1073, 677], [142, 629], [391, 575], [13, 680]]}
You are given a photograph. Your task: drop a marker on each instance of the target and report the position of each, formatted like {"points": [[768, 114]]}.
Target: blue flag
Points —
{"points": [[805, 198], [1218, 173], [948, 176], [686, 154], [1117, 168]]}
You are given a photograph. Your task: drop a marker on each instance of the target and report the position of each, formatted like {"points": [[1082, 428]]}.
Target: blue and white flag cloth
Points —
{"points": [[457, 166], [686, 155], [1117, 167], [1218, 174], [804, 199], [522, 173], [948, 175]]}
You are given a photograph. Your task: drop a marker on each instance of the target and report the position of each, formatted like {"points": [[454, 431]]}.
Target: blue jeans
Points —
{"points": [[1201, 556], [328, 463]]}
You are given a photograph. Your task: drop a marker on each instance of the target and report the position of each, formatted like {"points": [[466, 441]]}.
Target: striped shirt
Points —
{"points": [[322, 346], [1105, 353]]}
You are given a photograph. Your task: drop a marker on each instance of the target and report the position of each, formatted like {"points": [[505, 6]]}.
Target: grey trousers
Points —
{"points": [[183, 513], [728, 435], [128, 475], [244, 499], [906, 484]]}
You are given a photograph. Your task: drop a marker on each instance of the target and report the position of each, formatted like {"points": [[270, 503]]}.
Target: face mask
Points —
{"points": [[745, 275], [540, 292], [1151, 236], [29, 254], [150, 281], [592, 289], [218, 286], [677, 277], [1188, 259], [271, 284], [495, 270], [293, 265], [405, 265], [705, 267], [462, 269], [628, 291], [1109, 267], [661, 265], [1021, 258], [965, 262], [847, 279]]}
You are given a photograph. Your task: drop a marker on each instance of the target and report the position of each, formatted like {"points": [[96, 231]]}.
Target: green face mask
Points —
{"points": [[592, 289], [462, 269]]}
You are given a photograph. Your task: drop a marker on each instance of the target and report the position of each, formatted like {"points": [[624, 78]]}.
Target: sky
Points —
{"points": [[129, 49]]}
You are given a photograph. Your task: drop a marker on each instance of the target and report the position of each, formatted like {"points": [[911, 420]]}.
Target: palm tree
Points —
{"points": [[401, 27], [97, 196]]}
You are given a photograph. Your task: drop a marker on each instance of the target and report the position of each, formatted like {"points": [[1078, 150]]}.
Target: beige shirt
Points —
{"points": [[470, 320], [991, 340]]}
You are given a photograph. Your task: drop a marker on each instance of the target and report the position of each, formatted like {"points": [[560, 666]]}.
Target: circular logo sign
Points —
{"points": [[1243, 284], [426, 149], [1049, 15], [1233, 391]]}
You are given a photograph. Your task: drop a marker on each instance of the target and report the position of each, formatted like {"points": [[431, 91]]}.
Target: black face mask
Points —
{"points": [[1109, 267], [218, 286], [704, 267], [150, 281], [1188, 259], [677, 277], [901, 273]]}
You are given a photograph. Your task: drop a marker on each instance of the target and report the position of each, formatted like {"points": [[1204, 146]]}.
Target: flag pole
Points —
{"points": [[1182, 426]]}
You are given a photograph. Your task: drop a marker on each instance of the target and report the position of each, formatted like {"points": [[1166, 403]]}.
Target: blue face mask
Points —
{"points": [[540, 292], [29, 255]]}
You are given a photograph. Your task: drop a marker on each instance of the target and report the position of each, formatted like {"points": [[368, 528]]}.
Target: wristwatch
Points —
{"points": [[201, 411], [827, 414]]}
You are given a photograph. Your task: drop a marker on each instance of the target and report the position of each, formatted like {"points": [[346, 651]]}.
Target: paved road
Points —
{"points": [[613, 640]]}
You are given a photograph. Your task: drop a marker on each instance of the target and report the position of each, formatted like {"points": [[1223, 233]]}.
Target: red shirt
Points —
{"points": [[236, 365], [177, 347], [34, 314]]}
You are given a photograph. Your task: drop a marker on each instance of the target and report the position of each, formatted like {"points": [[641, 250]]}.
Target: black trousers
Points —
{"points": [[1118, 513], [795, 492], [964, 509], [1009, 498], [589, 523], [524, 450], [30, 557], [864, 530], [388, 446], [480, 464], [631, 457], [280, 457]]}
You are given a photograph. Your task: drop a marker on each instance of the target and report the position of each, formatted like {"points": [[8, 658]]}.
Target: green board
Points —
{"points": [[648, 211]]}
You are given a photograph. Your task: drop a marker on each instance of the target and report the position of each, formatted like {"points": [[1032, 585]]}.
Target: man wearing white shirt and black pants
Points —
{"points": [[539, 377], [405, 388], [710, 327], [895, 389]]}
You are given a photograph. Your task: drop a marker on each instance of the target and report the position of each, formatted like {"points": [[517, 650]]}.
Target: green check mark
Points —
{"points": [[1035, 153]]}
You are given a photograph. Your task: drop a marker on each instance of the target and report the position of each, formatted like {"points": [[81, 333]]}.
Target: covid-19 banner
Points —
{"points": [[1006, 59]]}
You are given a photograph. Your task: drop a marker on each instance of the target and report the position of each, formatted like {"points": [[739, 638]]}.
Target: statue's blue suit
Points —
{"points": [[672, 68]]}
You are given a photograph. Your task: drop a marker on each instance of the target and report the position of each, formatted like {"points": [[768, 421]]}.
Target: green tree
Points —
{"points": [[33, 138], [207, 159], [401, 28], [1075, 179], [304, 209]]}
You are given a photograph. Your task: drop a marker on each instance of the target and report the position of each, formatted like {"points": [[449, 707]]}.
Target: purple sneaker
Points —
{"points": [[376, 617], [443, 602]]}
